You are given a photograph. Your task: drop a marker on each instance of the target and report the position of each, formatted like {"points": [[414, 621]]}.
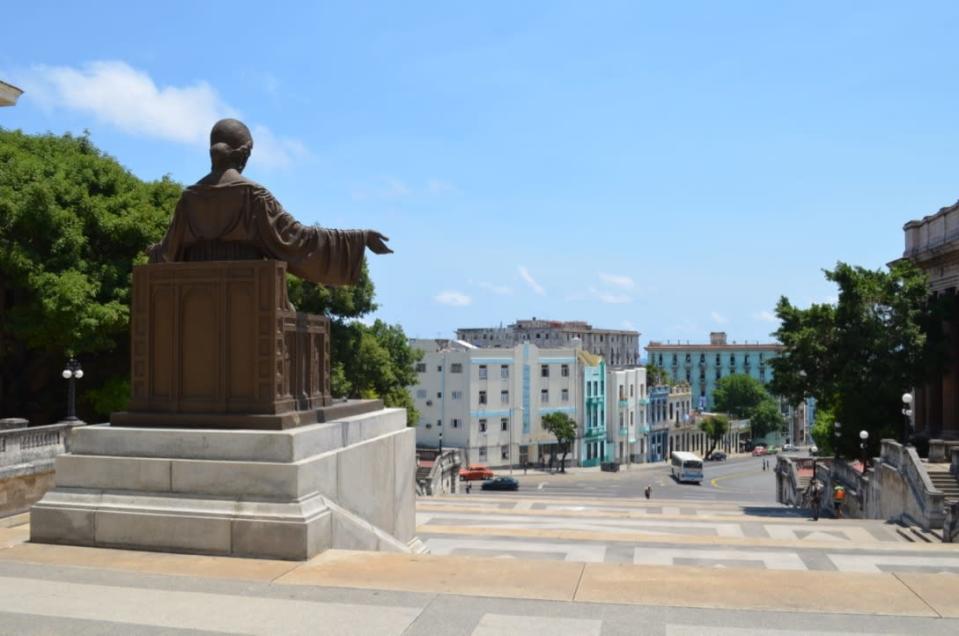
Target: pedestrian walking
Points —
{"points": [[816, 498], [469, 486], [838, 497], [649, 492], [525, 467]]}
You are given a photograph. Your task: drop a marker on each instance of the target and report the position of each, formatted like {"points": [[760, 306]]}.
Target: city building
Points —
{"points": [[626, 409], [702, 365], [9, 94], [933, 244], [670, 407], [592, 429], [618, 347], [490, 402]]}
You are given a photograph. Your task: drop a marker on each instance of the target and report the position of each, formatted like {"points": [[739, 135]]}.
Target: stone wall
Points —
{"points": [[26, 463]]}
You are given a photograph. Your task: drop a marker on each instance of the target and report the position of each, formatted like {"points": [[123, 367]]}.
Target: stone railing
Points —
{"points": [[36, 446], [444, 474], [950, 525], [954, 462], [788, 490], [922, 502]]}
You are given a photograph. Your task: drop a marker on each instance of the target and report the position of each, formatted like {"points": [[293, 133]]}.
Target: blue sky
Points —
{"points": [[668, 167]]}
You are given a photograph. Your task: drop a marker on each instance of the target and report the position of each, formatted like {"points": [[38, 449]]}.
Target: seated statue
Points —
{"points": [[226, 216]]}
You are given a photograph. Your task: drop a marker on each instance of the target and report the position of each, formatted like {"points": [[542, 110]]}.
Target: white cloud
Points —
{"points": [[611, 298], [717, 317], [499, 290], [383, 188], [615, 280], [526, 276], [453, 299], [766, 316], [117, 94], [439, 186]]}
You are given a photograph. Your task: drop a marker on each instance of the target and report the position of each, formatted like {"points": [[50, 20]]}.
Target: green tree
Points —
{"points": [[368, 361], [738, 394], [766, 418], [858, 356], [656, 375], [564, 429], [72, 223], [823, 431], [715, 427]]}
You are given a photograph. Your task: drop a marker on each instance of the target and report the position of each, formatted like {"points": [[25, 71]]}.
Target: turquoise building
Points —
{"points": [[593, 436], [703, 365]]}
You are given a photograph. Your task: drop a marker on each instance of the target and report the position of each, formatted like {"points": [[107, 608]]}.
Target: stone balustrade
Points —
{"points": [[27, 456]]}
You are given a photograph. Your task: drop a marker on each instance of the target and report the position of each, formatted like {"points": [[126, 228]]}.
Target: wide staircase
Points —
{"points": [[945, 481]]}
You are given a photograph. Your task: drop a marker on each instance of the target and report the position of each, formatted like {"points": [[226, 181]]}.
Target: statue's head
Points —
{"points": [[230, 145]]}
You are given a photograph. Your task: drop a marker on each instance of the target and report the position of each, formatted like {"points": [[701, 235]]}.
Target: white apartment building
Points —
{"points": [[489, 402], [626, 414]]}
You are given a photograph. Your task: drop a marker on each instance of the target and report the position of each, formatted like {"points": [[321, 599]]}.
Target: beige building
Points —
{"points": [[933, 244], [626, 400], [9, 94], [618, 348], [490, 402]]}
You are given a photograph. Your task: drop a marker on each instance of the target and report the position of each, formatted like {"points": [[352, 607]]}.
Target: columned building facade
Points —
{"points": [[933, 244]]}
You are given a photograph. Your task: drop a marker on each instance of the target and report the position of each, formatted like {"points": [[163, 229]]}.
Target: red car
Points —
{"points": [[759, 451], [475, 472]]}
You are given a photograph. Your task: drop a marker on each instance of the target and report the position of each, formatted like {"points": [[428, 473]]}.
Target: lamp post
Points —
{"points": [[863, 439], [838, 433], [906, 414], [71, 373]]}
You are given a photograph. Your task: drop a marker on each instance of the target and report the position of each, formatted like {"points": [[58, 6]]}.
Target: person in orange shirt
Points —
{"points": [[838, 497]]}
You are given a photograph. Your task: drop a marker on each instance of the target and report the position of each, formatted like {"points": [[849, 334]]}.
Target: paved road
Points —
{"points": [[738, 479]]}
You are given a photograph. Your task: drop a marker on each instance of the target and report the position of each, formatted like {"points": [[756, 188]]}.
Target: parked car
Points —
{"points": [[475, 472], [718, 456], [501, 483], [759, 451], [789, 448]]}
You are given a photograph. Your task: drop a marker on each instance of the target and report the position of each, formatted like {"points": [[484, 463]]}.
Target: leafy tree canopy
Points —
{"points": [[738, 394], [564, 428], [857, 357], [766, 418], [715, 427], [656, 375]]}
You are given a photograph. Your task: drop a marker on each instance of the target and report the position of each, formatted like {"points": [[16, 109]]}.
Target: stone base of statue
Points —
{"points": [[279, 494]]}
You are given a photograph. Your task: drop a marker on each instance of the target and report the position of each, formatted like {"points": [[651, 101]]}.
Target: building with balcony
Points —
{"points": [[626, 408], [593, 429], [490, 402], [701, 366], [618, 347]]}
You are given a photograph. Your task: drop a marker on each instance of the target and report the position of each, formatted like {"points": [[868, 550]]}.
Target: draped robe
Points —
{"points": [[242, 221]]}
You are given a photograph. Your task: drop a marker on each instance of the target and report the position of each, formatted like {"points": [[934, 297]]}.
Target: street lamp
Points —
{"points": [[863, 438], [440, 426], [72, 372], [838, 432], [906, 414]]}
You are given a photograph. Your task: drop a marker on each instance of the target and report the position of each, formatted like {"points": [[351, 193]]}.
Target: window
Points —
{"points": [[564, 395], [439, 422], [421, 393], [564, 371], [504, 423], [456, 367], [717, 374], [421, 367], [439, 395], [482, 425], [544, 370], [439, 368], [504, 452], [544, 396], [632, 418], [482, 452], [504, 397], [630, 390], [717, 360], [455, 422], [457, 395], [482, 397], [504, 371], [482, 372]]}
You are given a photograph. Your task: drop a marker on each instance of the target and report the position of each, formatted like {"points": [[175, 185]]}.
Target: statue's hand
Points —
{"points": [[377, 243]]}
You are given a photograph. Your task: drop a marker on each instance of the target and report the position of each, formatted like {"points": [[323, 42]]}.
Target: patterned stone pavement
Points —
{"points": [[722, 534]]}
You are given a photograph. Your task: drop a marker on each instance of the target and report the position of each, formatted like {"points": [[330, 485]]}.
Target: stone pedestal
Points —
{"points": [[219, 340], [284, 494]]}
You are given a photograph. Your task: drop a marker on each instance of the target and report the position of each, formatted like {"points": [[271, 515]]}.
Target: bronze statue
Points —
{"points": [[226, 216]]}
